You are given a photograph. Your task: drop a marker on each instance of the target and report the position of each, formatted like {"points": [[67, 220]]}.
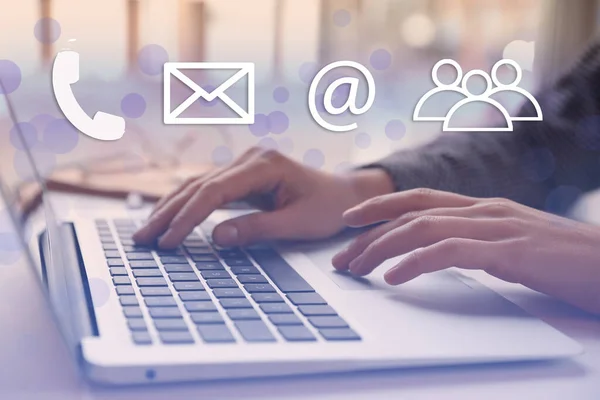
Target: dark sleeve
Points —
{"points": [[539, 159]]}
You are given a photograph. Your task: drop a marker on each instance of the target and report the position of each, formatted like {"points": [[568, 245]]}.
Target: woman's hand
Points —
{"points": [[513, 242], [297, 202]]}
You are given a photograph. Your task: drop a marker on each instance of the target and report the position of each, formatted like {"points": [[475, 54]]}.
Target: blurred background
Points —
{"points": [[124, 43]]}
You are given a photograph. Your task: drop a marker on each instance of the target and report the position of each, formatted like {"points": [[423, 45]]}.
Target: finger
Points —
{"points": [[481, 210], [461, 253], [205, 177], [423, 232], [160, 219], [258, 227], [165, 199], [257, 176], [390, 206]]}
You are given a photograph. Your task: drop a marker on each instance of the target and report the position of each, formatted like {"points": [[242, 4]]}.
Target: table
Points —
{"points": [[35, 363]]}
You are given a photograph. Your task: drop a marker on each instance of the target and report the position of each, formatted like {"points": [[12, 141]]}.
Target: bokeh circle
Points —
{"points": [[342, 18], [362, 140], [314, 158], [381, 59], [395, 129], [133, 105], [222, 155], [49, 24], [10, 76], [152, 58], [278, 122], [23, 132], [261, 126], [281, 94], [60, 136]]}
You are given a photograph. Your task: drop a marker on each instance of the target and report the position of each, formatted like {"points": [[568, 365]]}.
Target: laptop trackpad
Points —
{"points": [[320, 254]]}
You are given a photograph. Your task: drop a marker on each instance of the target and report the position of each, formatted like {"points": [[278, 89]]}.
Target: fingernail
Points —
{"points": [[226, 235]]}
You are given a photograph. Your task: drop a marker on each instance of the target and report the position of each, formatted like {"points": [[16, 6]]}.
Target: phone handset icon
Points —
{"points": [[65, 72]]}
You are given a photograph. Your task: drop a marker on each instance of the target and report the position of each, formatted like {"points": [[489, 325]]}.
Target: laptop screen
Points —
{"points": [[26, 207]]}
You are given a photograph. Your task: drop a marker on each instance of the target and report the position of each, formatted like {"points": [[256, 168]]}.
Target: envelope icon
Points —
{"points": [[177, 70]]}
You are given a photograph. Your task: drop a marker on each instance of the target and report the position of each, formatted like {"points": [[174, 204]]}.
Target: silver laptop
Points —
{"points": [[138, 315]]}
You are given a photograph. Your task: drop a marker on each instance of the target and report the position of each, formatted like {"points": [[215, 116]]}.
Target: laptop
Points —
{"points": [[134, 314]]}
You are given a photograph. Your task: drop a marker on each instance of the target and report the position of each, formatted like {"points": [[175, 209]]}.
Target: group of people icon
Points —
{"points": [[470, 97]]}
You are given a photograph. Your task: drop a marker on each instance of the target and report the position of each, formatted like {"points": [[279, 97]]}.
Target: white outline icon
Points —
{"points": [[471, 97], [65, 72], [350, 103], [173, 69]]}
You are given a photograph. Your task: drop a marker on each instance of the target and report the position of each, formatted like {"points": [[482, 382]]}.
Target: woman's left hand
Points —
{"points": [[438, 230]]}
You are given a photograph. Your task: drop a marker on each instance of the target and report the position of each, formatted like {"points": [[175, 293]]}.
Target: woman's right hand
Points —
{"points": [[296, 202]]}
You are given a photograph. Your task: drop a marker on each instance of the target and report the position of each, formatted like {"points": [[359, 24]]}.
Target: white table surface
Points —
{"points": [[35, 363]]}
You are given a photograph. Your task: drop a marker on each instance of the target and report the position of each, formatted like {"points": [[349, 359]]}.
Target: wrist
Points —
{"points": [[370, 182]]}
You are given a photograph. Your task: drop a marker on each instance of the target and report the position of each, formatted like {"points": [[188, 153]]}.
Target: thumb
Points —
{"points": [[255, 227]]}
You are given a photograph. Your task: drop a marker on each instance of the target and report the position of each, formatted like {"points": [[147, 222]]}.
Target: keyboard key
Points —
{"points": [[259, 288], [125, 290], [143, 264], [151, 282], [112, 254], [215, 274], [207, 318], [252, 279], [146, 273], [296, 333], [267, 298], [284, 319], [203, 257], [221, 283], [275, 308], [182, 286], [215, 333], [255, 331], [183, 277], [128, 300], [136, 248], [127, 242], [194, 242], [242, 314], [194, 296], [121, 280], [237, 262], [176, 337], [132, 312], [115, 262], [310, 298], [310, 311], [165, 312], [328, 322], [141, 337], [245, 270], [137, 324], [198, 250], [177, 268], [228, 293], [160, 301], [235, 303], [116, 271], [199, 306], [231, 253], [175, 252], [139, 256], [280, 272], [174, 260], [109, 246], [170, 324], [155, 291], [204, 266], [339, 334]]}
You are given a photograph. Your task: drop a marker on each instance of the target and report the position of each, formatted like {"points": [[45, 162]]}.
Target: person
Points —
{"points": [[470, 200]]}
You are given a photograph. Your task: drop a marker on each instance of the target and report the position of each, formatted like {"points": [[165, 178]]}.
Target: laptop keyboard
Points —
{"points": [[202, 292]]}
